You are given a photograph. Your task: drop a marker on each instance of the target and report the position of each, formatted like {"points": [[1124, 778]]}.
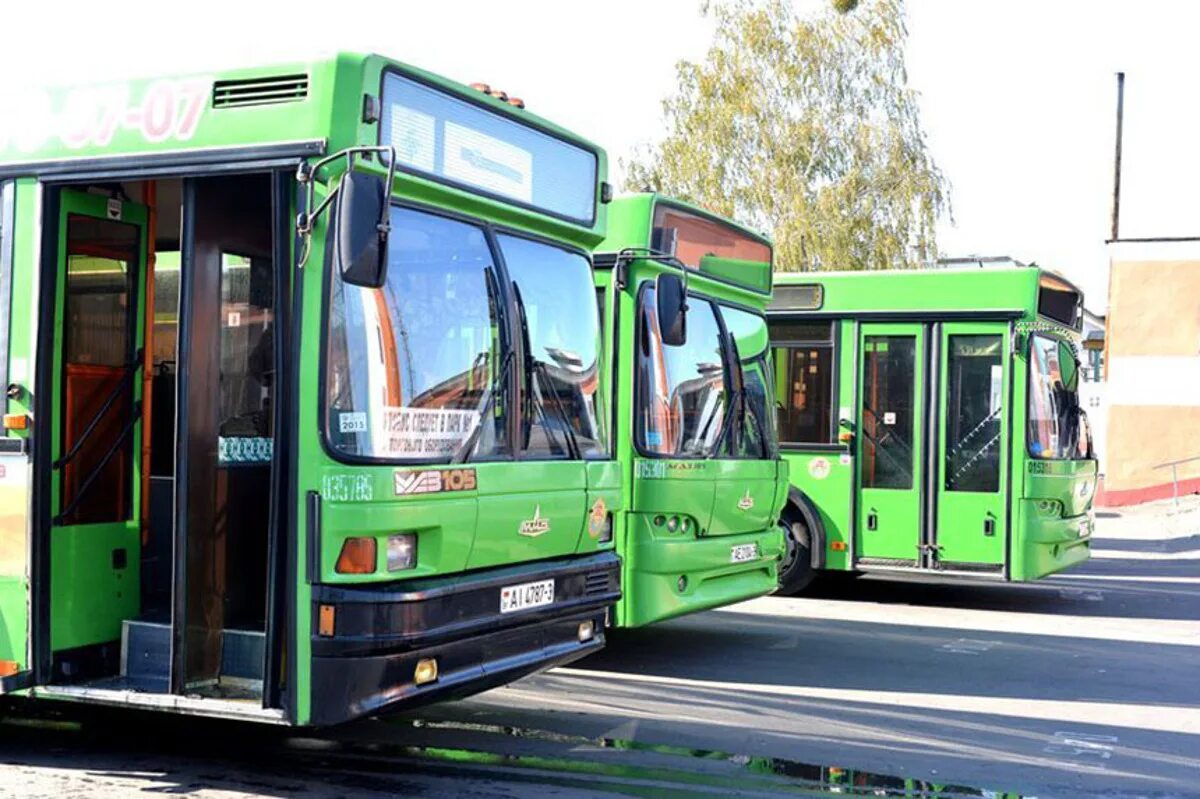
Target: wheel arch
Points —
{"points": [[812, 520]]}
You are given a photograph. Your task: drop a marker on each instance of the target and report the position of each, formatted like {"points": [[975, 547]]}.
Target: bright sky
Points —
{"points": [[1018, 96]]}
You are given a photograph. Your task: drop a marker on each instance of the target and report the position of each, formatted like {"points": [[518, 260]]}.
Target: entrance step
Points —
{"points": [[146, 656]]}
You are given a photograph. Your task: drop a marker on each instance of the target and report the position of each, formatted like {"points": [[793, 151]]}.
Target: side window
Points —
{"points": [[757, 438], [804, 358]]}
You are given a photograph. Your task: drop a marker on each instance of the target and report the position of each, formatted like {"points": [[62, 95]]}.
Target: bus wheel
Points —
{"points": [[795, 570]]}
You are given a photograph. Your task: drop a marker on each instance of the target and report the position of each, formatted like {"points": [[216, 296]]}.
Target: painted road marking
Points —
{"points": [[1161, 718], [1081, 594], [1177, 632], [1082, 747], [969, 646]]}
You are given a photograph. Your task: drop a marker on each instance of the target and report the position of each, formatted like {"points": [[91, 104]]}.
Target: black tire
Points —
{"points": [[795, 569]]}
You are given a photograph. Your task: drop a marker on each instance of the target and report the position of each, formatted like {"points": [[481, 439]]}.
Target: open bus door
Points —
{"points": [[95, 481]]}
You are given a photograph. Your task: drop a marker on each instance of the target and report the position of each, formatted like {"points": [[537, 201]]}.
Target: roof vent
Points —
{"points": [[260, 91]]}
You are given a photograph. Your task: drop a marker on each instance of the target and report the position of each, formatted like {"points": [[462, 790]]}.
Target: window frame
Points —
{"points": [[510, 335], [834, 344]]}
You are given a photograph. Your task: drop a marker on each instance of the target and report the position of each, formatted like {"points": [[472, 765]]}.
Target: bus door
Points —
{"points": [[95, 507], [891, 432], [970, 513]]}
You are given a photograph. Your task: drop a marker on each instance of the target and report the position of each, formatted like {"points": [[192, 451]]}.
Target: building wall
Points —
{"points": [[1153, 359]]}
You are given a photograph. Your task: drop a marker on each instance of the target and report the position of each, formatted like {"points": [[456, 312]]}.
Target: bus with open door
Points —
{"points": [[304, 408]]}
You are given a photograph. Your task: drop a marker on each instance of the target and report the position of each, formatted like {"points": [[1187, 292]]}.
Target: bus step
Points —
{"points": [[146, 653]]}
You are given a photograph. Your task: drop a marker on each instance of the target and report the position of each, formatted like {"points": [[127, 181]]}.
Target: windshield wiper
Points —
{"points": [[535, 369], [465, 449], [543, 372]]}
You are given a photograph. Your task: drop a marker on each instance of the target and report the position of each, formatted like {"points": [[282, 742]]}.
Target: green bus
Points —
{"points": [[932, 422], [305, 415], [683, 294]]}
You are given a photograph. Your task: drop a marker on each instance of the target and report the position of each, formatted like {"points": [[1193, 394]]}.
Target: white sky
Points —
{"points": [[1018, 96]]}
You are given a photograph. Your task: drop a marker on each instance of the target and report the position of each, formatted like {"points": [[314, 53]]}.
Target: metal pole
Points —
{"points": [[1116, 198]]}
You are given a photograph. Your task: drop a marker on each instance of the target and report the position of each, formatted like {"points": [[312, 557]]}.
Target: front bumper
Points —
{"points": [[380, 633]]}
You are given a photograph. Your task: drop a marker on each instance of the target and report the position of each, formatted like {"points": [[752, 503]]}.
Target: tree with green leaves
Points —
{"points": [[804, 126]]}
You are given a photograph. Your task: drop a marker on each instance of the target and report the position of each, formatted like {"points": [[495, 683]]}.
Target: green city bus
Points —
{"points": [[305, 414], [932, 422], [683, 294]]}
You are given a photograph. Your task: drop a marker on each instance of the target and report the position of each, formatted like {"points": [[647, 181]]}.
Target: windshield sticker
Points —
{"points": [[353, 422], [818, 468], [434, 481], [889, 417], [412, 432], [90, 116], [487, 162], [347, 488]]}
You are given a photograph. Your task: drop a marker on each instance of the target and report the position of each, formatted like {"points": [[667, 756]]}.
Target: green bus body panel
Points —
{"points": [[1034, 536], [668, 574]]}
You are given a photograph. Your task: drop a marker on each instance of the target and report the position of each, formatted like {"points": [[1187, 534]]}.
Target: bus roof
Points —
{"points": [[294, 109], [712, 245], [1021, 293]]}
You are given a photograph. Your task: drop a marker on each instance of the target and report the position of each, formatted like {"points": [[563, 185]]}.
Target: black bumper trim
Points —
{"points": [[428, 612]]}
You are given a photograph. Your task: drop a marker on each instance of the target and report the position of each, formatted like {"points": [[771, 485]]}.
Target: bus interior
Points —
{"points": [[158, 531]]}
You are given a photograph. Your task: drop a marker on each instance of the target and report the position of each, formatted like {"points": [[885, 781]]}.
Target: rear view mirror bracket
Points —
{"points": [[307, 175]]}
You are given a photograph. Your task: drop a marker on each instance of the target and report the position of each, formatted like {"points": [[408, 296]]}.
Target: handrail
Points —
{"points": [[131, 369], [1175, 474], [137, 413]]}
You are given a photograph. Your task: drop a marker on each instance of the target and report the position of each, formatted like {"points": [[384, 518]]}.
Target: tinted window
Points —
{"points": [[974, 401]]}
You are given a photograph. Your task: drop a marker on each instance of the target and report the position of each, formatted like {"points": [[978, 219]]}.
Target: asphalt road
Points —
{"points": [[1086, 684]]}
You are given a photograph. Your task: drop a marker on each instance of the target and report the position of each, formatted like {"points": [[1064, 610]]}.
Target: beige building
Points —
{"points": [[1152, 364]]}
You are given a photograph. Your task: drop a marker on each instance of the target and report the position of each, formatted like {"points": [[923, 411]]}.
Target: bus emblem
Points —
{"points": [[598, 518], [746, 502], [535, 526], [434, 481]]}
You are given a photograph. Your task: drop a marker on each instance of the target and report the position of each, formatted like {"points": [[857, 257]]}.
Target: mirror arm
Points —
{"points": [[307, 176]]}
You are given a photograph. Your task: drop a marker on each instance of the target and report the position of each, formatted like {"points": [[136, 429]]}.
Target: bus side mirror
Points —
{"points": [[360, 243], [672, 309]]}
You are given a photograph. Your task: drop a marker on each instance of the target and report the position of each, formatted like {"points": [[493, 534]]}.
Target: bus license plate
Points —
{"points": [[740, 553], [526, 595]]}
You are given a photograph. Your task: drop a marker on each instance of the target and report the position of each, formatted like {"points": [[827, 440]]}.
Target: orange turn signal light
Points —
{"points": [[325, 619], [9, 667], [837, 546], [16, 421], [845, 437], [357, 556]]}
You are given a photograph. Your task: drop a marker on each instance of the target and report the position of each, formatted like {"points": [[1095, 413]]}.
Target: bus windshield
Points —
{"points": [[1057, 427], [696, 236], [681, 392]]}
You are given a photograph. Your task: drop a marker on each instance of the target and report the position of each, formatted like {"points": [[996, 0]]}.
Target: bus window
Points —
{"points": [[804, 359], [888, 412], [564, 342], [681, 390], [247, 359], [975, 374], [411, 366], [1056, 422]]}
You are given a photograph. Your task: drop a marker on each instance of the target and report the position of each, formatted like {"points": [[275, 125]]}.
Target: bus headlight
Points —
{"points": [[401, 552]]}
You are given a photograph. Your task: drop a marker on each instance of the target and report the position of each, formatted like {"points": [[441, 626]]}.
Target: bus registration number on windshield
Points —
{"points": [[740, 553], [526, 595]]}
